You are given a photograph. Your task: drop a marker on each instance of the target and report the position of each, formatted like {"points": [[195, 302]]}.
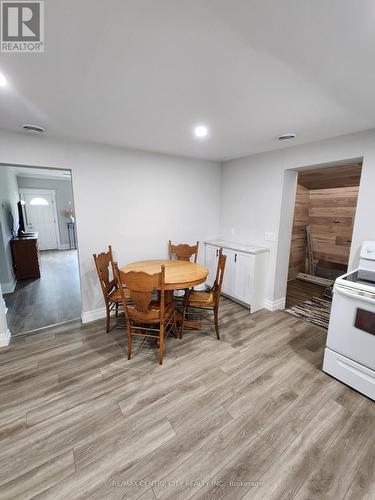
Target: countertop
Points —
{"points": [[240, 247]]}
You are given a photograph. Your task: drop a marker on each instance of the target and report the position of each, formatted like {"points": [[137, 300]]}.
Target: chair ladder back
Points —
{"points": [[219, 274], [103, 262]]}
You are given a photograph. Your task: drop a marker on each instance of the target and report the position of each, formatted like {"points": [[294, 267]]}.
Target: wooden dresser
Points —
{"points": [[26, 257]]}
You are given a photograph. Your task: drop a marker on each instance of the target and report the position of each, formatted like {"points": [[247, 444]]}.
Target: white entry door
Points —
{"points": [[41, 216]]}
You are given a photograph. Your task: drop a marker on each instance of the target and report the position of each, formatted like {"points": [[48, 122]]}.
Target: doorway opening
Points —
{"points": [[39, 272], [324, 213]]}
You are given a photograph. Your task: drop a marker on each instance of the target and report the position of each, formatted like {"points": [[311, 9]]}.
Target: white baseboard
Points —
{"points": [[274, 305], [89, 316], [5, 338], [100, 313], [64, 246], [8, 287], [94, 315]]}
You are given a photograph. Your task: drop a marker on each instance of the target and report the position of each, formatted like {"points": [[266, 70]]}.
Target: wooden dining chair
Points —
{"points": [[183, 251], [206, 300], [146, 317], [104, 264]]}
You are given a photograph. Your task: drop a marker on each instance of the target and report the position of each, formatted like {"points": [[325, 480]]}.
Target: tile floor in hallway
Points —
{"points": [[53, 298]]}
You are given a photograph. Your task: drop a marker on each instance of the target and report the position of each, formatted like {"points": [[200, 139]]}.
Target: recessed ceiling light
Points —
{"points": [[34, 129], [3, 80], [201, 131], [287, 137]]}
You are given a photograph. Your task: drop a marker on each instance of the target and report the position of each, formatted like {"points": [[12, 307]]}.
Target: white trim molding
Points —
{"points": [[9, 287], [275, 305], [94, 315], [4, 330], [89, 316], [5, 338]]}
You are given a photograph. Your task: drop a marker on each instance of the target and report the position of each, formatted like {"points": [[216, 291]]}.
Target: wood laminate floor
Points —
{"points": [[299, 291], [251, 416], [53, 298]]}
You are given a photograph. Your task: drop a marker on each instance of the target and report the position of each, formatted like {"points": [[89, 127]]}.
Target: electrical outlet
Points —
{"points": [[270, 236]]}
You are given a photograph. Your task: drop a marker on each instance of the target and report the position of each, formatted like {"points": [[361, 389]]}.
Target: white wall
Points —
{"points": [[253, 203], [137, 201], [8, 203], [133, 200]]}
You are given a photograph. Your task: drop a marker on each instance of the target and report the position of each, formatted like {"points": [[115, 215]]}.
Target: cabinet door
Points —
{"points": [[229, 272], [211, 256], [243, 288]]}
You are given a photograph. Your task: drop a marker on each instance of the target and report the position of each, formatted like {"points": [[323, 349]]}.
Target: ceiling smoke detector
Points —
{"points": [[34, 129], [286, 137]]}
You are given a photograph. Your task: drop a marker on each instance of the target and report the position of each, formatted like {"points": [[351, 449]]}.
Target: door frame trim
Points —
{"points": [[52, 193]]}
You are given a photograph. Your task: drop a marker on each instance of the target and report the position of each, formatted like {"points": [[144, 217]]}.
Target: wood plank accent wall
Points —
{"points": [[298, 244], [330, 214], [331, 217], [331, 177]]}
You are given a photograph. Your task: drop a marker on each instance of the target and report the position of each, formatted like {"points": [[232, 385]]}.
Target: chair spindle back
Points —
{"points": [[104, 264], [183, 251], [141, 286], [219, 275]]}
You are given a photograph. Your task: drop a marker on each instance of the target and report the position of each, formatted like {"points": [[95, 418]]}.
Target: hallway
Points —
{"points": [[51, 299]]}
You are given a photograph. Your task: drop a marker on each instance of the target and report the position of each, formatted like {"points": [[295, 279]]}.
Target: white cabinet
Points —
{"points": [[229, 283], [211, 256], [245, 271]]}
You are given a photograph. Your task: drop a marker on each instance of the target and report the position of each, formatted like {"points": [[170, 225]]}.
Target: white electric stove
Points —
{"points": [[350, 351]]}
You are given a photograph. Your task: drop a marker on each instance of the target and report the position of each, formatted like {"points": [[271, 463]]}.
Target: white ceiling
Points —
{"points": [[141, 73]]}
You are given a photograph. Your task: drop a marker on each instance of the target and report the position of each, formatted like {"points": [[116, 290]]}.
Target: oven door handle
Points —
{"points": [[355, 296]]}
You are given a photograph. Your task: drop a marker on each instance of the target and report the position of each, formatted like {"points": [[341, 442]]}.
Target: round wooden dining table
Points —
{"points": [[179, 274]]}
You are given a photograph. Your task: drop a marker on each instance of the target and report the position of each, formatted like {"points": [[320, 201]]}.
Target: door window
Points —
{"points": [[38, 201]]}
